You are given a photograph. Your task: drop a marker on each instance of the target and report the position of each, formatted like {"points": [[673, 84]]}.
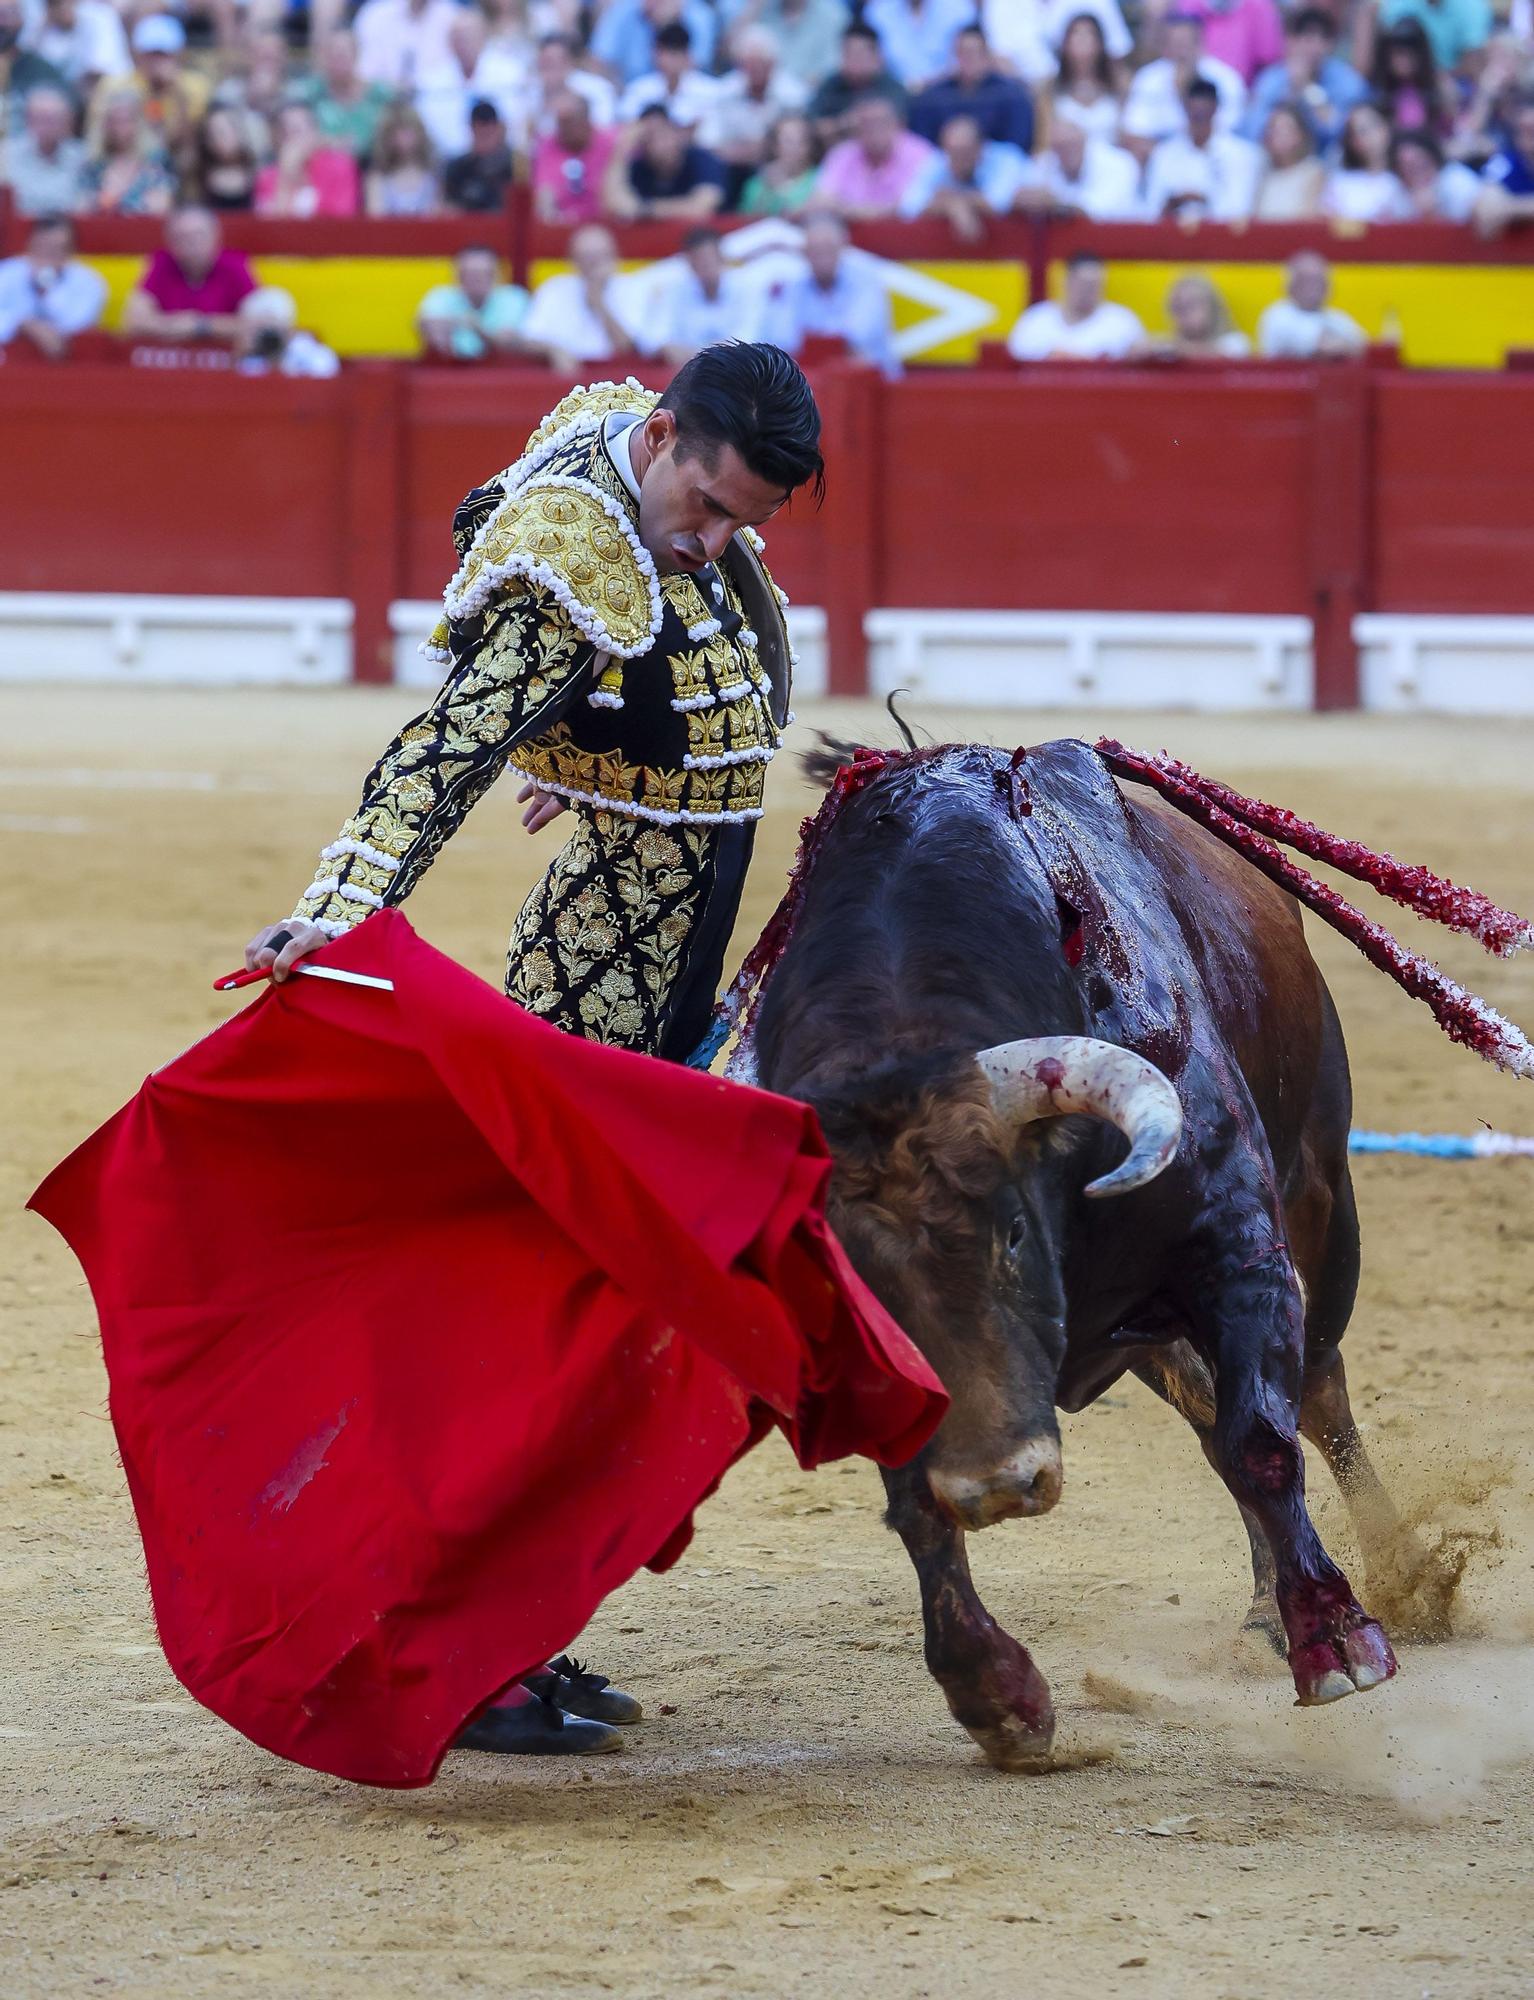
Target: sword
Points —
{"points": [[234, 979], [231, 980]]}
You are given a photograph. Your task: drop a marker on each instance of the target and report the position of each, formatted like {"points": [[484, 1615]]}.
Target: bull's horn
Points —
{"points": [[1049, 1076]]}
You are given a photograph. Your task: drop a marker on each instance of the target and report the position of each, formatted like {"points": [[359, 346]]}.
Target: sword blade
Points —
{"points": [[345, 978]]}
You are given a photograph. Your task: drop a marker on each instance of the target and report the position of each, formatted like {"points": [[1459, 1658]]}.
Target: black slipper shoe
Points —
{"points": [[567, 1683], [537, 1729]]}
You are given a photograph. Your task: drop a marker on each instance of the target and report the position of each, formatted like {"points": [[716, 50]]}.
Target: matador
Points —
{"points": [[613, 636]]}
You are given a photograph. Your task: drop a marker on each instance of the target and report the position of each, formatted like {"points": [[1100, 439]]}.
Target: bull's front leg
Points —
{"points": [[1248, 1319], [992, 1686]]}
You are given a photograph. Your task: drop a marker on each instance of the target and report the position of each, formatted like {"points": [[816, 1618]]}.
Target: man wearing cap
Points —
{"points": [[613, 638], [175, 98], [478, 179]]}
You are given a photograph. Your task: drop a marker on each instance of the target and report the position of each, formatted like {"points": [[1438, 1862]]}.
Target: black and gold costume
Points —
{"points": [[652, 704]]}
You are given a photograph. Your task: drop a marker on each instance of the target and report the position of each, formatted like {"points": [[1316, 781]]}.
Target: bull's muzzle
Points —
{"points": [[1026, 1483]]}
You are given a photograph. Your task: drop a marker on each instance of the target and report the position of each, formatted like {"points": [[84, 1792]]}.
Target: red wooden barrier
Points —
{"points": [[1453, 471], [1259, 488]]}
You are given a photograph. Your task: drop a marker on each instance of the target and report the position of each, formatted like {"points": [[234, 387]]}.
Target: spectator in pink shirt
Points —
{"points": [[867, 175], [308, 177], [192, 289], [569, 163], [1246, 34]]}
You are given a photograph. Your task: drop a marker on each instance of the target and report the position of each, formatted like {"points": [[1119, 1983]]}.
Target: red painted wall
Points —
{"points": [[1454, 493], [1264, 489]]}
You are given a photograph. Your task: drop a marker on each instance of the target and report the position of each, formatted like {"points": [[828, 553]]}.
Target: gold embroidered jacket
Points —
{"points": [[571, 662]]}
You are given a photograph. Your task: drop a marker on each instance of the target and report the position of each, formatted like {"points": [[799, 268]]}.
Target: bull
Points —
{"points": [[1087, 1099]]}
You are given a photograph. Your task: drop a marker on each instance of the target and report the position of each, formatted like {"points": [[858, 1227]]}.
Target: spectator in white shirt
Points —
{"points": [[707, 302], [84, 40], [1075, 175], [1084, 326], [837, 295], [45, 296], [554, 72], [1030, 34], [273, 343], [1201, 172], [1301, 325], [1154, 108], [1200, 323], [918, 35], [749, 102], [400, 42], [588, 314], [971, 178], [44, 164], [1363, 188], [1086, 90], [676, 82], [477, 71]]}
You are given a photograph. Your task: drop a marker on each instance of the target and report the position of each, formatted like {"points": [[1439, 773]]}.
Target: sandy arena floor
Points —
{"points": [[805, 1818]]}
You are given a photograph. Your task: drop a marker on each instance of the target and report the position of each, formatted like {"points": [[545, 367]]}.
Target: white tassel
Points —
{"points": [[725, 758], [374, 856], [631, 809]]}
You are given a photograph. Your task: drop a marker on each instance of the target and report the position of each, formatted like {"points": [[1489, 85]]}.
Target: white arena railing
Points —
{"points": [[993, 659]]}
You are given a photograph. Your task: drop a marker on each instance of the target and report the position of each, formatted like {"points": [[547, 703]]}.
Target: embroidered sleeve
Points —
{"points": [[527, 666]]}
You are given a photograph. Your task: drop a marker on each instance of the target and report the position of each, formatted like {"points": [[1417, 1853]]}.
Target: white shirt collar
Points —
{"points": [[615, 435]]}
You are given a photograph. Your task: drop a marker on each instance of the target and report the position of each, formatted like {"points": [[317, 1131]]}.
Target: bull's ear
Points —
{"points": [[1053, 1076]]}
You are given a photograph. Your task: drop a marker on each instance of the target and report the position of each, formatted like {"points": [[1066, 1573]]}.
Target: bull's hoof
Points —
{"points": [[1325, 1671], [1014, 1743]]}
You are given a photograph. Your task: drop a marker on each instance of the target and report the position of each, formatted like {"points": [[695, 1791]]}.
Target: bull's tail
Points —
{"points": [[1254, 829]]}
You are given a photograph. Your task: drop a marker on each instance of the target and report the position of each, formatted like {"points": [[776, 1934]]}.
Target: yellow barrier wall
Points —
{"points": [[1444, 315]]}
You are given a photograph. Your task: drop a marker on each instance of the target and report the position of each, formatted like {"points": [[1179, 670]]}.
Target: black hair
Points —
{"points": [[696, 238], [52, 219], [1078, 258], [1102, 67], [1423, 140], [1313, 21], [1410, 35], [477, 250], [861, 32], [1352, 159], [1201, 88], [674, 35], [754, 397]]}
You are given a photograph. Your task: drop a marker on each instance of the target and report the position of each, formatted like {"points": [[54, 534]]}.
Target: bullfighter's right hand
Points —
{"points": [[302, 939]]}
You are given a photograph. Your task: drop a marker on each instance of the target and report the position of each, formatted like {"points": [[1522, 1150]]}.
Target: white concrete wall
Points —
{"points": [[1453, 666], [993, 659], [91, 636], [1118, 660]]}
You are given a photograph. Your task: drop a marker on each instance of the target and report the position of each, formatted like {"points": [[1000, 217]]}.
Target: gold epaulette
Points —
{"points": [[558, 531], [594, 400]]}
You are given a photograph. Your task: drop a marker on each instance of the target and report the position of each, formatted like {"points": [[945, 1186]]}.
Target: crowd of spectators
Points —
{"points": [[826, 112], [1360, 110]]}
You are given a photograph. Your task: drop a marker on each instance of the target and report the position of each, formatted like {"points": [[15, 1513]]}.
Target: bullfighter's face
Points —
{"points": [[692, 500]]}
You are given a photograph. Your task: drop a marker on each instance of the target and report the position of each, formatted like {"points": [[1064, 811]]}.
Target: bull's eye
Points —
{"points": [[1017, 1235]]}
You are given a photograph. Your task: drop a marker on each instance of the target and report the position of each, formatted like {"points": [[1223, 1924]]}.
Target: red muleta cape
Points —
{"points": [[426, 1325]]}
